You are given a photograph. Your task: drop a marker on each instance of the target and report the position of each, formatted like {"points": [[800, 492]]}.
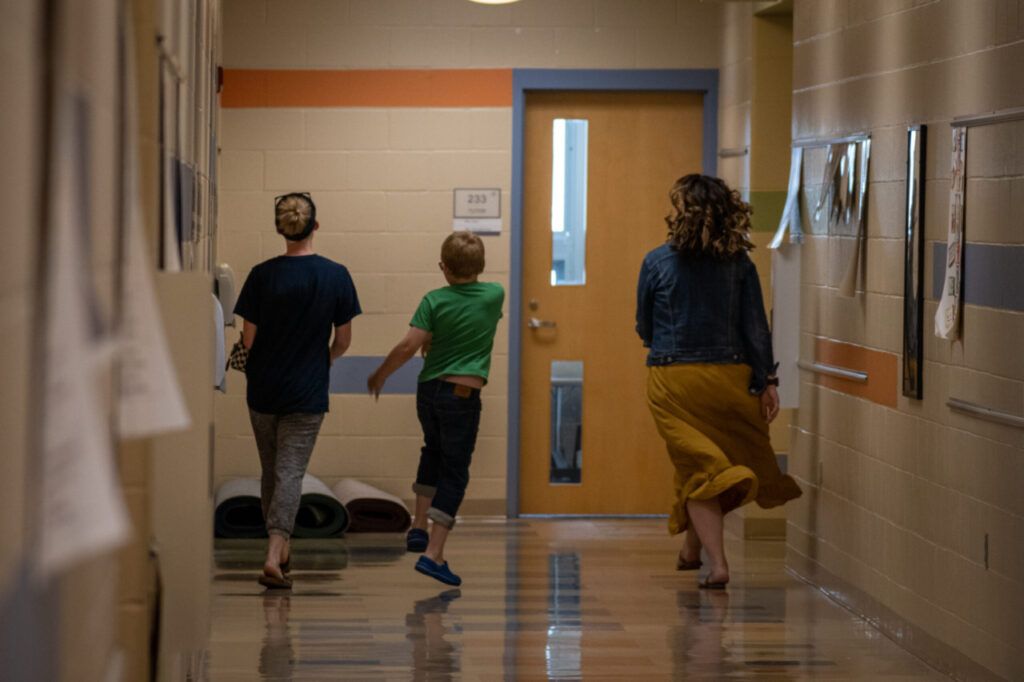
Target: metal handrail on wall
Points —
{"points": [[829, 141], [834, 371], [1002, 116], [986, 413], [733, 152]]}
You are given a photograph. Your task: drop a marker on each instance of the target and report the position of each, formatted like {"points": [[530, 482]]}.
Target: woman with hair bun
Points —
{"points": [[291, 305], [711, 383]]}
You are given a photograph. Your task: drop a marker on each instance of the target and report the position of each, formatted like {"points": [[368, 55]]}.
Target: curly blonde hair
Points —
{"points": [[709, 218]]}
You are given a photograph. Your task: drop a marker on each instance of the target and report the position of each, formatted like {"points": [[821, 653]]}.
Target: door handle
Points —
{"points": [[535, 323]]}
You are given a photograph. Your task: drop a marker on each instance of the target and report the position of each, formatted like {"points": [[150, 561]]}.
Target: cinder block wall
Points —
{"points": [[901, 494], [114, 590], [382, 177], [754, 117], [735, 92], [20, 135]]}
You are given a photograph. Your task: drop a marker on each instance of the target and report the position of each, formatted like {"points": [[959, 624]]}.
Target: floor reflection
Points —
{"points": [[310, 555], [542, 599], [433, 657], [277, 657], [565, 626], [697, 640]]}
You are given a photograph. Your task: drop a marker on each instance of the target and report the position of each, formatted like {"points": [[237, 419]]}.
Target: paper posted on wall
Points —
{"points": [[82, 511], [791, 218], [947, 317], [151, 400], [170, 238], [858, 192]]}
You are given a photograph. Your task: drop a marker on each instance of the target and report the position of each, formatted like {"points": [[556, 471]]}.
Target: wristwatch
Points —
{"points": [[771, 380]]}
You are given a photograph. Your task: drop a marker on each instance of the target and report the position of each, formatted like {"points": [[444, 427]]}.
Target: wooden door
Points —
{"points": [[637, 145]]}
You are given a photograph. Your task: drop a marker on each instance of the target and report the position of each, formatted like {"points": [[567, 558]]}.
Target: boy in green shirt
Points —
{"points": [[455, 327]]}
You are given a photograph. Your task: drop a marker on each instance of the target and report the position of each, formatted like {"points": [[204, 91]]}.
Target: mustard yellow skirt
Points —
{"points": [[716, 437]]}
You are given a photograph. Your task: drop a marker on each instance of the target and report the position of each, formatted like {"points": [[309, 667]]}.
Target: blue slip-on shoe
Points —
{"points": [[437, 571], [416, 540]]}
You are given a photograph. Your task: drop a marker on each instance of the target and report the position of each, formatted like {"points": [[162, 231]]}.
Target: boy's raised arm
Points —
{"points": [[399, 355]]}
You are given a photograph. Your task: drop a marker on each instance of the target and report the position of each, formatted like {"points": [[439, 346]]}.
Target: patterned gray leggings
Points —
{"points": [[285, 443]]}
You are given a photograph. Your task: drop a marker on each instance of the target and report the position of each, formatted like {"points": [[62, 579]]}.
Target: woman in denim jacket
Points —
{"points": [[711, 378]]}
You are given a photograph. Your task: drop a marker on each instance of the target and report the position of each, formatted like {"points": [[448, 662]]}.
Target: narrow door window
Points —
{"points": [[566, 421], [568, 202]]}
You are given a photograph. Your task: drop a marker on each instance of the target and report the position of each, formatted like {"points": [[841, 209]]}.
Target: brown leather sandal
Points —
{"points": [[684, 565], [272, 582]]}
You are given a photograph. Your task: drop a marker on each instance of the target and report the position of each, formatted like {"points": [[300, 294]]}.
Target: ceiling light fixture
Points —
{"points": [[494, 2]]}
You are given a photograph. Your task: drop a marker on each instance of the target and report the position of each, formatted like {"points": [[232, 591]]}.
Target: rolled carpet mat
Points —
{"points": [[321, 513], [239, 514], [372, 510], [236, 510]]}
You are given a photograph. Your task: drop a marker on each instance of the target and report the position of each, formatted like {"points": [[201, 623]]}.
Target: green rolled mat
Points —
{"points": [[321, 513], [372, 510], [239, 514]]}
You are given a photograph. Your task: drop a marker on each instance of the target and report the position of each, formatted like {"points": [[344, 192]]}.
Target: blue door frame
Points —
{"points": [[626, 80]]}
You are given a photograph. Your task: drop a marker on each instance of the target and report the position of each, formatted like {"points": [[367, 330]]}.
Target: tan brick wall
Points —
{"points": [[104, 605], [754, 114], [735, 92], [19, 135], [907, 495], [382, 179]]}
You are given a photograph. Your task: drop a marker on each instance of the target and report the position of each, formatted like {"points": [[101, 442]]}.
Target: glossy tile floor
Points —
{"points": [[565, 599]]}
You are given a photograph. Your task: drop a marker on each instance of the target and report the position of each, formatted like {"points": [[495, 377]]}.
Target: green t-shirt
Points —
{"points": [[462, 319]]}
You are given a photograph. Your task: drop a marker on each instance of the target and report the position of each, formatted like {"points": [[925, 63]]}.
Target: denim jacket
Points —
{"points": [[700, 309]]}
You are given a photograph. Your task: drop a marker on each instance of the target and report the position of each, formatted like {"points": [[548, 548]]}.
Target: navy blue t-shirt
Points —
{"points": [[294, 301]]}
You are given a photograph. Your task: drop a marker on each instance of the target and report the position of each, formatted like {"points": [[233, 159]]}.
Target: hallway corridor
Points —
{"points": [[566, 599]]}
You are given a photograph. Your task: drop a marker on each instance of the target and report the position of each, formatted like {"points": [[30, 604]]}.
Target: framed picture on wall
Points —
{"points": [[913, 266]]}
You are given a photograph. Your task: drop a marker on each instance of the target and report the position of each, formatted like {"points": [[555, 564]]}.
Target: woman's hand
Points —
{"points": [[770, 404]]}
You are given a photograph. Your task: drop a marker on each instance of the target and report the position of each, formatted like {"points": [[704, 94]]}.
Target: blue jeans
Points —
{"points": [[450, 417]]}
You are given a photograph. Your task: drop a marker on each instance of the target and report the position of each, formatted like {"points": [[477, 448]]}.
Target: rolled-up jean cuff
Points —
{"points": [[438, 516], [424, 490], [278, 531]]}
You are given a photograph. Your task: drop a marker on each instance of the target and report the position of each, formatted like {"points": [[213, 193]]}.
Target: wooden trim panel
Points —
{"points": [[269, 88], [881, 367]]}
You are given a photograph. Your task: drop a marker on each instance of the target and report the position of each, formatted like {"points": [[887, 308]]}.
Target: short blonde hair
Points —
{"points": [[463, 254], [292, 214]]}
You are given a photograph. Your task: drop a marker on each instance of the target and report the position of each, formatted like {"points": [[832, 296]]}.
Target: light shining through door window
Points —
{"points": [[568, 201]]}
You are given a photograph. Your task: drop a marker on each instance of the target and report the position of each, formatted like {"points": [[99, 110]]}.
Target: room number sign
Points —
{"points": [[477, 210]]}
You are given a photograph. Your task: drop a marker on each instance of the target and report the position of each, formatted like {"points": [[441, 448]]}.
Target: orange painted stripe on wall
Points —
{"points": [[264, 88], [883, 382]]}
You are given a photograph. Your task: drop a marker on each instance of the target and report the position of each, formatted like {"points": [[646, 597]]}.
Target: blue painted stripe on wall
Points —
{"points": [[349, 374], [993, 274]]}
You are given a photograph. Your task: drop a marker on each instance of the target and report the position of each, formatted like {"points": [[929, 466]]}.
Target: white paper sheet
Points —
{"points": [[171, 247], [791, 211], [151, 401], [81, 507], [947, 317], [786, 321], [854, 210], [829, 185], [220, 371]]}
